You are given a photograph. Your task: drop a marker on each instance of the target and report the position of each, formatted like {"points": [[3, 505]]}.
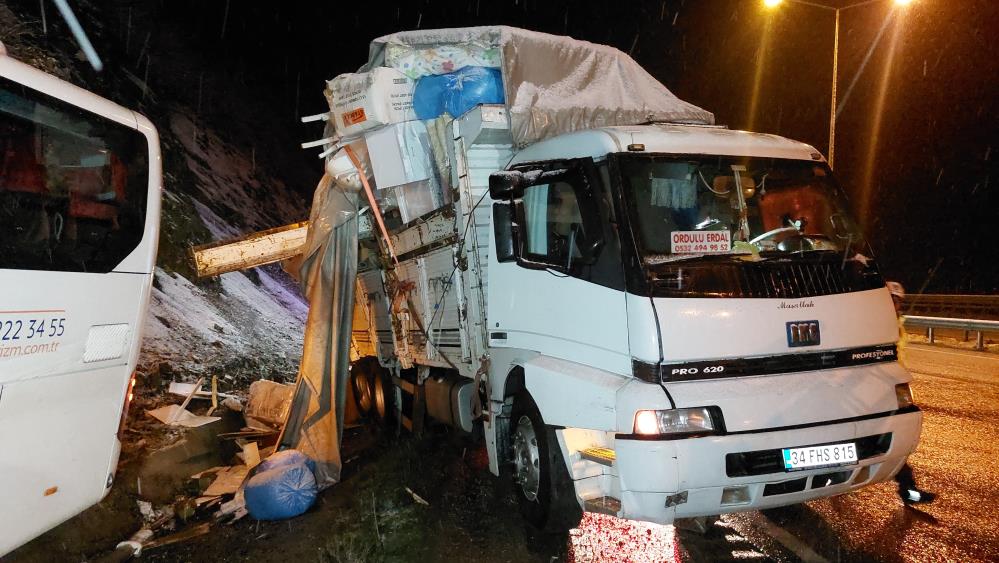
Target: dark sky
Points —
{"points": [[923, 155]]}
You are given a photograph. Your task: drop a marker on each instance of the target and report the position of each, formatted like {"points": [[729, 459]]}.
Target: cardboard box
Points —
{"points": [[400, 154], [366, 100]]}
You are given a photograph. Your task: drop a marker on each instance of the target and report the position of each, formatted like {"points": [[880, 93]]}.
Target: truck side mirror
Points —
{"points": [[503, 231], [506, 184]]}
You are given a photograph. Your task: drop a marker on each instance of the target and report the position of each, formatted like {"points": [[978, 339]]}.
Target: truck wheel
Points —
{"points": [[361, 383], [382, 396], [540, 479]]}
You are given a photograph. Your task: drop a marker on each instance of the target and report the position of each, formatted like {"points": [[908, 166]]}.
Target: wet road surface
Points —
{"points": [[370, 516]]}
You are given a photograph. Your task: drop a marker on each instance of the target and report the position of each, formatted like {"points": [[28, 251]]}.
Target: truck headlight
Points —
{"points": [[904, 395], [697, 420]]}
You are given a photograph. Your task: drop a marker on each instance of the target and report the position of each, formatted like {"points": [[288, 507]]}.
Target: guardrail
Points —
{"points": [[979, 326], [952, 306]]}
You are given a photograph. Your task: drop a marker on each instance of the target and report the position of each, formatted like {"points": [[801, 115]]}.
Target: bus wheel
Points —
{"points": [[541, 481]]}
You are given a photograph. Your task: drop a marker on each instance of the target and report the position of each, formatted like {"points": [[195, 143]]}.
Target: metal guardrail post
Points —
{"points": [[929, 334], [980, 342]]}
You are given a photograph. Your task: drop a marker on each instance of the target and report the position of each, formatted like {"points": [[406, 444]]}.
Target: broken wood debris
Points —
{"points": [[417, 497], [228, 481], [183, 535]]}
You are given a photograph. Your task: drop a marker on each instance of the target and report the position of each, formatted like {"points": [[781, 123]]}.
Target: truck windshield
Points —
{"points": [[687, 206]]}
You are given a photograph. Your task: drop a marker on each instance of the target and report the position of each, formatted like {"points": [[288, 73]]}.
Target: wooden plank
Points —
{"points": [[256, 249]]}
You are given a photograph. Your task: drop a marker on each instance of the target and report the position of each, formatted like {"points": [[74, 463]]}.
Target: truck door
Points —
{"points": [[556, 285]]}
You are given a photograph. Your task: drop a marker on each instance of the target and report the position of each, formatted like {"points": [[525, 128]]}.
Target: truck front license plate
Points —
{"points": [[819, 456]]}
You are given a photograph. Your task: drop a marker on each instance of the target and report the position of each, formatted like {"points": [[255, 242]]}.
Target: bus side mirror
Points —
{"points": [[503, 231], [506, 184]]}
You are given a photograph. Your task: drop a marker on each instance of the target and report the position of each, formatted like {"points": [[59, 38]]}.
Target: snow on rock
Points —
{"points": [[244, 330], [229, 179]]}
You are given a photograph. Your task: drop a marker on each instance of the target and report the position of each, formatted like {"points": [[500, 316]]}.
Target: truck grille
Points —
{"points": [[769, 279], [762, 462]]}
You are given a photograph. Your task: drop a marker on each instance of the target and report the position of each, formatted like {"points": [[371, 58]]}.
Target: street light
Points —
{"points": [[771, 4]]}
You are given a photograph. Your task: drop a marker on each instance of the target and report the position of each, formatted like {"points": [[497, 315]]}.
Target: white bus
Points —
{"points": [[79, 222]]}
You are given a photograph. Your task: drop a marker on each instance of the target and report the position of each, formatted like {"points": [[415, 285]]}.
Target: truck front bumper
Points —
{"points": [[661, 480]]}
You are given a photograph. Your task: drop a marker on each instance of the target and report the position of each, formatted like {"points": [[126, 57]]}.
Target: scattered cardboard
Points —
{"points": [[227, 482], [251, 454], [185, 389], [174, 415], [187, 400]]}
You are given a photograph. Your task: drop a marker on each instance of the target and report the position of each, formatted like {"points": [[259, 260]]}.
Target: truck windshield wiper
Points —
{"points": [[660, 259]]}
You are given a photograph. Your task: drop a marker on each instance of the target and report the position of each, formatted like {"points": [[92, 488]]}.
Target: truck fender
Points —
{"points": [[573, 395]]}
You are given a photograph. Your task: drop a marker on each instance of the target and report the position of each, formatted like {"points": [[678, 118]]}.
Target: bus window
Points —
{"points": [[73, 185]]}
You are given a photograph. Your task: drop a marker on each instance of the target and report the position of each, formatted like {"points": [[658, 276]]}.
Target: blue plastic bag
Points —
{"points": [[280, 493], [286, 457], [457, 92]]}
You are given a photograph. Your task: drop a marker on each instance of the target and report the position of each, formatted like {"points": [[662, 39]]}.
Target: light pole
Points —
{"points": [[835, 65]]}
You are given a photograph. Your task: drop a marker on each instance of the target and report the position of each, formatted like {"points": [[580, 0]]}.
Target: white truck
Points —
{"points": [[654, 321]]}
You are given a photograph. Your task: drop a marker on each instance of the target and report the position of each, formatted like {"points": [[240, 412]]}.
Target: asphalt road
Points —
{"points": [[957, 458]]}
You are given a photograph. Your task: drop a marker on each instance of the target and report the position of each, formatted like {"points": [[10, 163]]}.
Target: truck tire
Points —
{"points": [[541, 481], [361, 384], [382, 395]]}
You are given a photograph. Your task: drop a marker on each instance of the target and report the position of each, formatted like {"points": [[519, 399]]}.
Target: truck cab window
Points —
{"points": [[553, 224]]}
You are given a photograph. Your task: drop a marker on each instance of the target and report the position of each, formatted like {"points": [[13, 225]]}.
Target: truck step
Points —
{"points": [[603, 456], [603, 505]]}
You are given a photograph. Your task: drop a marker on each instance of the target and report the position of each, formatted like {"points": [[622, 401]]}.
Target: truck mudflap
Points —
{"points": [[661, 480]]}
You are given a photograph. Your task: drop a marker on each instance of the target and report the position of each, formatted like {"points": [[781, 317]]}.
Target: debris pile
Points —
{"points": [[220, 466]]}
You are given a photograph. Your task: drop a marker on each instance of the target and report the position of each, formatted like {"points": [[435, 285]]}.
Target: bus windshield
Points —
{"points": [[685, 206]]}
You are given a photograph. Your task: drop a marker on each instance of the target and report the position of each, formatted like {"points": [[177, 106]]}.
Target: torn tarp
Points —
{"points": [[327, 270], [553, 84]]}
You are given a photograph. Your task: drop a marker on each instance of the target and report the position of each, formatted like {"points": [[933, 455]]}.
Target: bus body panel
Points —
{"points": [[81, 302], [143, 258], [59, 437], [33, 78]]}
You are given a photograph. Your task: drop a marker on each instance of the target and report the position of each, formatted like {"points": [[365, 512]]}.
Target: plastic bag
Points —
{"points": [[280, 493], [285, 458], [457, 92]]}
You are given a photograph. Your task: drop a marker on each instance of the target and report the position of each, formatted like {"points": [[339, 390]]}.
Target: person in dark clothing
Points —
{"points": [[907, 489]]}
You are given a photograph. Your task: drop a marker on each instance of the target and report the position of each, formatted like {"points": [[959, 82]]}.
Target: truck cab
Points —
{"points": [[685, 321]]}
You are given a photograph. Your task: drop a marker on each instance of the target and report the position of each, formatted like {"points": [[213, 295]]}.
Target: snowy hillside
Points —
{"points": [[244, 323], [224, 175]]}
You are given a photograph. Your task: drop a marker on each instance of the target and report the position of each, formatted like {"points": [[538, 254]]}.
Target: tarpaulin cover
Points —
{"points": [[557, 84], [327, 270]]}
